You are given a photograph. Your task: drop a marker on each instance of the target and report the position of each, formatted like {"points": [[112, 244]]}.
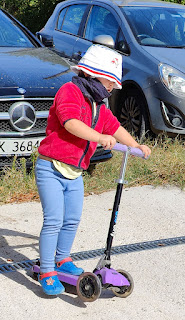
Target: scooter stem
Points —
{"points": [[120, 182], [105, 259]]}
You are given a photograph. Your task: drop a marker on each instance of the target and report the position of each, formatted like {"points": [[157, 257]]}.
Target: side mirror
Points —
{"points": [[104, 39], [123, 47], [46, 40]]}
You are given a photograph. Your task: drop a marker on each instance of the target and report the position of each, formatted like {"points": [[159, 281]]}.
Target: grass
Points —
{"points": [[166, 166]]}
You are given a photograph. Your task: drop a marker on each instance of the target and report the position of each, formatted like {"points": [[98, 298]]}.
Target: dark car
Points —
{"points": [[150, 35], [30, 75]]}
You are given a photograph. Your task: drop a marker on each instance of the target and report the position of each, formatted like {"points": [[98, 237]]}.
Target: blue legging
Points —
{"points": [[62, 203]]}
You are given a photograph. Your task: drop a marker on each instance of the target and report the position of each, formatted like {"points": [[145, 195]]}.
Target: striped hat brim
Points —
{"points": [[95, 72]]}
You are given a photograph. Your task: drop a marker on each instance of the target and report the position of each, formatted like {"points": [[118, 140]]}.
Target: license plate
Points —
{"points": [[18, 146]]}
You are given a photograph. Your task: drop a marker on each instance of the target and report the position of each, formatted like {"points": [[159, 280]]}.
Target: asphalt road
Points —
{"points": [[145, 214]]}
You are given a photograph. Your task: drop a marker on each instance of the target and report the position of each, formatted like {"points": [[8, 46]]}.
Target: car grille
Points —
{"points": [[5, 126], [7, 162], [41, 107]]}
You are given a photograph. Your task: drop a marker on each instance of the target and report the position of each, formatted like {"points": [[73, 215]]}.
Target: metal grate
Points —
{"points": [[85, 255], [7, 162], [10, 267], [5, 126], [39, 105]]}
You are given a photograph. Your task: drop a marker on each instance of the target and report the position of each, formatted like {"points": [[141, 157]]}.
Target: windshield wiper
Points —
{"points": [[176, 47]]}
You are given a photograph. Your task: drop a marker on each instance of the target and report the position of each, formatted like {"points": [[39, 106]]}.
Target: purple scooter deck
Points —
{"points": [[63, 277], [108, 276]]}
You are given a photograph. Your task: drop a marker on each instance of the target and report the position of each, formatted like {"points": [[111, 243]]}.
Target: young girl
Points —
{"points": [[78, 120]]}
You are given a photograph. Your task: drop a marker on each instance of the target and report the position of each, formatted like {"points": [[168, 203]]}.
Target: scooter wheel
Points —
{"points": [[124, 291], [88, 287]]}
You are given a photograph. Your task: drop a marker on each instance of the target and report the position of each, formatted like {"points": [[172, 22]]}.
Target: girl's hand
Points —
{"points": [[107, 141], [146, 150]]}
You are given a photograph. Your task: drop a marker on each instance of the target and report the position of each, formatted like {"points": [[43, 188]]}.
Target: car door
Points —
{"points": [[100, 21], [67, 28]]}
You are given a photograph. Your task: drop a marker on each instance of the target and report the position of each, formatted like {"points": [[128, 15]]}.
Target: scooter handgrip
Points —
{"points": [[133, 151]]}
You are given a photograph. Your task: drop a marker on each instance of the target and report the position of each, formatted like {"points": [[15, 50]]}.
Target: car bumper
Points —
{"points": [[166, 111], [101, 155]]}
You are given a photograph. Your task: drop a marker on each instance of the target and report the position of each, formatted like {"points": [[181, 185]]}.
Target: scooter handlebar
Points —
{"points": [[133, 151]]}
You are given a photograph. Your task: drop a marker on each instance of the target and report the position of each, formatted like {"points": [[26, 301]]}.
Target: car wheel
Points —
{"points": [[132, 113], [91, 168]]}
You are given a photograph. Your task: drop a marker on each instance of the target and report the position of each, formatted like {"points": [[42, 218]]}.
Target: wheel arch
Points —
{"points": [[131, 85], [130, 88]]}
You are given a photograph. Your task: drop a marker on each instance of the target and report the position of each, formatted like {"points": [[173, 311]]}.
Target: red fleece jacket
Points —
{"points": [[59, 144]]}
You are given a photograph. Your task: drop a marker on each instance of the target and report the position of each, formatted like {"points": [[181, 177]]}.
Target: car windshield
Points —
{"points": [[162, 27], [11, 35]]}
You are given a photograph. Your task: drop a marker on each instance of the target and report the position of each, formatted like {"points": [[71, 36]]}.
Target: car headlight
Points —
{"points": [[173, 79]]}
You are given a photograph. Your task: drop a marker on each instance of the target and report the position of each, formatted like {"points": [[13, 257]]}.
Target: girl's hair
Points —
{"points": [[83, 74]]}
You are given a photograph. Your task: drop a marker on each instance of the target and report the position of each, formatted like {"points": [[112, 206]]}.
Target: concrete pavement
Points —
{"points": [[146, 213]]}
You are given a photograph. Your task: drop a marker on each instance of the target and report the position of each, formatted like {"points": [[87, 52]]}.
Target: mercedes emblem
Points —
{"points": [[22, 116]]}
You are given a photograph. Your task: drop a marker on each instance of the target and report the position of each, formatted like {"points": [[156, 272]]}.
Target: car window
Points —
{"points": [[73, 18], [101, 21], [61, 18], [163, 27], [11, 35]]}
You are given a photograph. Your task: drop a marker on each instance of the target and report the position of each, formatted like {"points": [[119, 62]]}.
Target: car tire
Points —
{"points": [[90, 170], [132, 113]]}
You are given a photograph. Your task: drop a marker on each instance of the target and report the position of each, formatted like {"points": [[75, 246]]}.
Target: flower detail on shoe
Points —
{"points": [[50, 281]]}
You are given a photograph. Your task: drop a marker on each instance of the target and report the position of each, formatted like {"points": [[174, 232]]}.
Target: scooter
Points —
{"points": [[89, 285]]}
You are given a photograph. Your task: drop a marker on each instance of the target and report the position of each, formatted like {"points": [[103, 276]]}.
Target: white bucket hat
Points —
{"points": [[102, 62]]}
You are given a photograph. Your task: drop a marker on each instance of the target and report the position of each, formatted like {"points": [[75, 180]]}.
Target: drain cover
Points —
{"points": [[85, 255]]}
